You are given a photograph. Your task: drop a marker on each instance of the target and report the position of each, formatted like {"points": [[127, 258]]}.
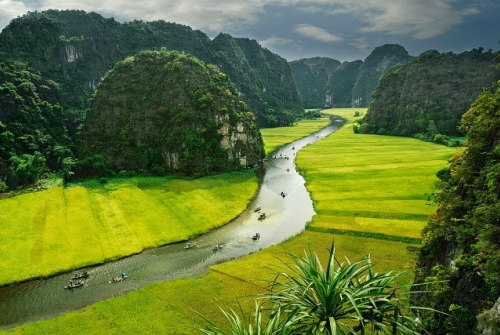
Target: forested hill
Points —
{"points": [[429, 95], [33, 136], [325, 82], [461, 252], [75, 49], [161, 111]]}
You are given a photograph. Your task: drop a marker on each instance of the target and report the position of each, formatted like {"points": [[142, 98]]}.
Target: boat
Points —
{"points": [[190, 245], [119, 279], [257, 209], [216, 247], [74, 285], [80, 275], [256, 237], [262, 216]]}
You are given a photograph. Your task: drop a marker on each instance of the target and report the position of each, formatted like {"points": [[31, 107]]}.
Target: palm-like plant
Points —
{"points": [[341, 298]]}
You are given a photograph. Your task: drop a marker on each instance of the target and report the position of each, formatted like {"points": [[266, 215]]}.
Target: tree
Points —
{"points": [[341, 298]]}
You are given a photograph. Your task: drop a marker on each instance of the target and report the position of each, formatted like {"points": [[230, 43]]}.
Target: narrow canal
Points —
{"points": [[285, 217]]}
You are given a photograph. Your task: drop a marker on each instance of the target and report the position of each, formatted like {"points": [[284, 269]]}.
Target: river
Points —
{"points": [[285, 217]]}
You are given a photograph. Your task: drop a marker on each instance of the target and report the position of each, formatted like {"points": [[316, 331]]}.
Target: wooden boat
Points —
{"points": [[216, 247], [80, 275], [256, 237], [119, 278], [257, 209], [190, 245], [262, 216], [74, 285]]}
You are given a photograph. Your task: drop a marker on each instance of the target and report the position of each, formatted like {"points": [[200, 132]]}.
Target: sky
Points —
{"points": [[344, 30]]}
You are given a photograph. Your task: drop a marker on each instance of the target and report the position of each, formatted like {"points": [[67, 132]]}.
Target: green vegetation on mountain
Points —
{"points": [[264, 80], [33, 137], [311, 77], [325, 82], [427, 97], [461, 253], [76, 49], [167, 112], [380, 60]]}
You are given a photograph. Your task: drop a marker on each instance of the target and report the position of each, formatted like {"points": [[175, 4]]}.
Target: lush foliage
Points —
{"points": [[334, 298], [325, 82], [168, 307], [427, 97], [461, 238], [161, 111], [76, 49], [33, 137]]}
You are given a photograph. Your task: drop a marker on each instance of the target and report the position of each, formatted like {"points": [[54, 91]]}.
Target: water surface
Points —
{"points": [[285, 217]]}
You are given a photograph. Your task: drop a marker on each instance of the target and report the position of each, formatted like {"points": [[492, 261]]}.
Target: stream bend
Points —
{"points": [[285, 217]]}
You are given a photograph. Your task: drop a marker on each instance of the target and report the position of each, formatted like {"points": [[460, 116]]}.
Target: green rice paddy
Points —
{"points": [[370, 193], [277, 137], [63, 228], [371, 183]]}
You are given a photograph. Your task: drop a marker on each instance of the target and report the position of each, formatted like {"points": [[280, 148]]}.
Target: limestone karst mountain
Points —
{"points": [[161, 111]]}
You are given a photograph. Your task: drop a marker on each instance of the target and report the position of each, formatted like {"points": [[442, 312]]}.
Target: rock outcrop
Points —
{"points": [[161, 111]]}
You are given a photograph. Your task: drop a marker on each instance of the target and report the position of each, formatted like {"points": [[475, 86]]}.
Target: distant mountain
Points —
{"points": [[75, 49], [429, 95], [381, 60], [161, 111], [325, 82]]}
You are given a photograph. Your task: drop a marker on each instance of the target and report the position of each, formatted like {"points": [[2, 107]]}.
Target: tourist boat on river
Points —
{"points": [[257, 209], [119, 279], [189, 245], [80, 275], [72, 285], [216, 247], [256, 236], [262, 216]]}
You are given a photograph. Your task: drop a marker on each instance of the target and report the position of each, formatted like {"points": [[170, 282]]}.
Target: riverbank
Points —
{"points": [[168, 307]]}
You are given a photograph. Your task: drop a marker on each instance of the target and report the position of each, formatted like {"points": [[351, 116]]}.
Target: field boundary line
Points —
{"points": [[379, 236]]}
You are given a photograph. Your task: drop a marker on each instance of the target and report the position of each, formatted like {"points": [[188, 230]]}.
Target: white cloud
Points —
{"points": [[360, 44], [198, 14], [316, 33], [420, 19], [10, 9], [273, 40]]}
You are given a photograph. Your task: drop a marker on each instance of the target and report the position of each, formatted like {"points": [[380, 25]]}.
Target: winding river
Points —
{"points": [[285, 217]]}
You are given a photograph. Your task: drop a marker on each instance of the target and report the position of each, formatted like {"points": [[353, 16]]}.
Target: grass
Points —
{"points": [[63, 228], [371, 183], [276, 137], [370, 193], [171, 307]]}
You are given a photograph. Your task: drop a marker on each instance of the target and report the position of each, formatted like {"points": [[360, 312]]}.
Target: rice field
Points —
{"points": [[276, 137], [172, 307], [371, 183], [366, 189], [64, 228]]}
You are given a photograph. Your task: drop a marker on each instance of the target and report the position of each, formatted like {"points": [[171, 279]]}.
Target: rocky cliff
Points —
{"points": [[460, 257], [429, 95], [380, 60], [161, 111], [75, 49], [325, 82]]}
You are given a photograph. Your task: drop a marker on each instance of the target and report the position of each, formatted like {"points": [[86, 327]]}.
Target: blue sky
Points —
{"points": [[345, 30]]}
